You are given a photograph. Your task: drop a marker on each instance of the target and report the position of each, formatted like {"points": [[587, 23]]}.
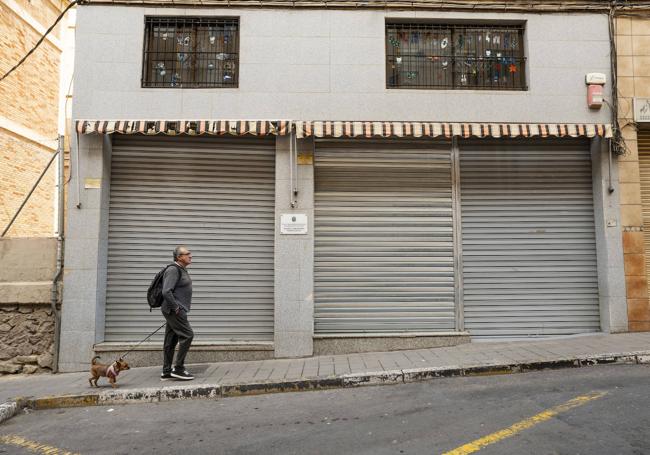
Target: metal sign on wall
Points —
{"points": [[642, 109], [293, 223]]}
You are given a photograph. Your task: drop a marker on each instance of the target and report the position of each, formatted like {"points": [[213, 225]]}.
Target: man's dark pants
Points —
{"points": [[178, 330]]}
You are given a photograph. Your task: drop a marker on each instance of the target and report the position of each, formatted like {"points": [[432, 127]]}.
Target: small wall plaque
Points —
{"points": [[92, 183], [642, 110], [305, 158], [293, 224]]}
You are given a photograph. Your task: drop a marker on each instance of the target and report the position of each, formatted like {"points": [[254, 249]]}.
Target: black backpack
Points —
{"points": [[154, 293]]}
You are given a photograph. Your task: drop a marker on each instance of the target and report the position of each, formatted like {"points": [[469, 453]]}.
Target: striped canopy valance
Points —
{"points": [[190, 127], [360, 129], [428, 129]]}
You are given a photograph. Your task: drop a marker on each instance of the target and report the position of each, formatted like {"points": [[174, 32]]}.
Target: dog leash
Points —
{"points": [[150, 335]]}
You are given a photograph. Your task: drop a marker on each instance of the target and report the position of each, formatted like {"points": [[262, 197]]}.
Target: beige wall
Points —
{"points": [[21, 162], [29, 105], [633, 51]]}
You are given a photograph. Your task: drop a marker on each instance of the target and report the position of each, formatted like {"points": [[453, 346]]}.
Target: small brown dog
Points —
{"points": [[111, 371]]}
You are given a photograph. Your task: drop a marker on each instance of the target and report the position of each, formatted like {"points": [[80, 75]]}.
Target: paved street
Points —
{"points": [[539, 412]]}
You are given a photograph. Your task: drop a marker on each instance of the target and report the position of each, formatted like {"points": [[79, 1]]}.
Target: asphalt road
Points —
{"points": [[533, 413]]}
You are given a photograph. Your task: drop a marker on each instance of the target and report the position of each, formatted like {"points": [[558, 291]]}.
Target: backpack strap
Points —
{"points": [[180, 273]]}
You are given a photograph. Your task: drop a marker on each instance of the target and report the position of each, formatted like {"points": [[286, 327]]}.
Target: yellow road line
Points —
{"points": [[512, 430], [31, 445]]}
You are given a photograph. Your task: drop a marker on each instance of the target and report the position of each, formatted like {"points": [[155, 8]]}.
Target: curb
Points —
{"points": [[216, 391]]}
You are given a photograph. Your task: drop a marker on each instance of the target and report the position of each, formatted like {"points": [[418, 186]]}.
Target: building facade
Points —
{"points": [[347, 179]]}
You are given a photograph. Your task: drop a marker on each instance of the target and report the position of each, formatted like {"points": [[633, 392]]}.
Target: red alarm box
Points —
{"points": [[595, 96]]}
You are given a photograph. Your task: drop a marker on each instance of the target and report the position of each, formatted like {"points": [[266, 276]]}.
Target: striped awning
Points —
{"points": [[359, 129], [190, 127], [372, 129]]}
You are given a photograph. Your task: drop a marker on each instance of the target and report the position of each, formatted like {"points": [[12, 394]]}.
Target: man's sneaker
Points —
{"points": [[166, 377], [183, 375]]}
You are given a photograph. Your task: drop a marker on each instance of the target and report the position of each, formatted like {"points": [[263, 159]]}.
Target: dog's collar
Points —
{"points": [[111, 372]]}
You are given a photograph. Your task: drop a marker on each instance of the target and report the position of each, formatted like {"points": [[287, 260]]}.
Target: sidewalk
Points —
{"points": [[239, 378]]}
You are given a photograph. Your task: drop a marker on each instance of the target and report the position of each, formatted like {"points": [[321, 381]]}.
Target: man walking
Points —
{"points": [[177, 297]]}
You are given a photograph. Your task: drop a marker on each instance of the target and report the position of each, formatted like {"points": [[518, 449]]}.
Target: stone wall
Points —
{"points": [[26, 318], [26, 339]]}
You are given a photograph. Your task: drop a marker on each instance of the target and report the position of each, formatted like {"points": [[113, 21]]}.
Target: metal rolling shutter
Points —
{"points": [[383, 238], [217, 197], [529, 248], [643, 137]]}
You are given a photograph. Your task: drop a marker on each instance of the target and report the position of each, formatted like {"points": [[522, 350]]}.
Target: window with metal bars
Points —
{"points": [[455, 56], [191, 52]]}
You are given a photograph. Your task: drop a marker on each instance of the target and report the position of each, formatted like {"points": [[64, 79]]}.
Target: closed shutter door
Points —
{"points": [[383, 238], [643, 137], [217, 197], [529, 248]]}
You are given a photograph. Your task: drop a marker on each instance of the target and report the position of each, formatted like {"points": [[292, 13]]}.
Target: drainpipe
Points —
{"points": [[59, 255]]}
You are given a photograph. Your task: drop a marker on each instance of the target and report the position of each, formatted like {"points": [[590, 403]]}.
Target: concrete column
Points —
{"points": [[294, 254], [86, 242], [607, 213]]}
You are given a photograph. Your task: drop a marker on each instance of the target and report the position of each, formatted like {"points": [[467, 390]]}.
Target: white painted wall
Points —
{"points": [[330, 65]]}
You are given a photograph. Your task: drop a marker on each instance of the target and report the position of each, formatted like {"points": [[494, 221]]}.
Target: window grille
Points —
{"points": [[455, 56], [191, 52]]}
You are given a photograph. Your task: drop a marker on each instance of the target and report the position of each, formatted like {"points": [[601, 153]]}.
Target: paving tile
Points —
{"points": [[295, 370], [263, 373], [278, 374], [341, 369], [372, 363], [310, 373], [388, 363], [428, 355], [326, 370]]}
